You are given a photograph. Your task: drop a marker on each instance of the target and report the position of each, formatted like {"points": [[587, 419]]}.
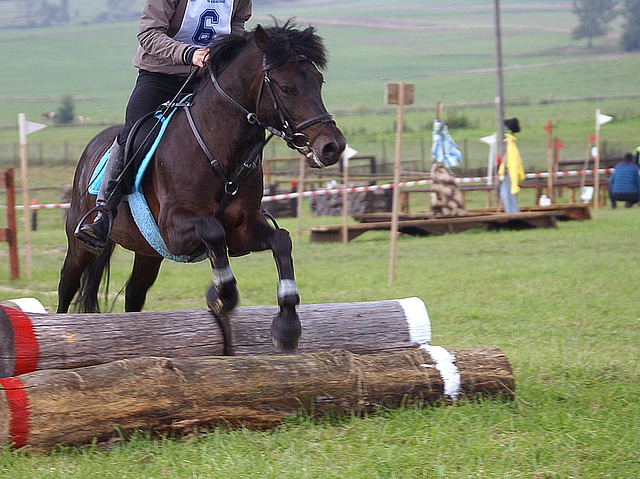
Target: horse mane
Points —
{"points": [[287, 44]]}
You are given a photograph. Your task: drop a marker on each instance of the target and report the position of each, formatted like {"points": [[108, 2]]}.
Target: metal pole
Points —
{"points": [[499, 87], [596, 168]]}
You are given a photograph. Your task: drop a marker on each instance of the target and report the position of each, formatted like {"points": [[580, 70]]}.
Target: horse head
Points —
{"points": [[288, 91]]}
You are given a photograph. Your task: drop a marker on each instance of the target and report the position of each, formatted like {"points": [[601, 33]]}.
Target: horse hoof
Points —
{"points": [[285, 332], [217, 304], [285, 346]]}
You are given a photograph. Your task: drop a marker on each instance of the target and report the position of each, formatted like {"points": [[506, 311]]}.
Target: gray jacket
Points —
{"points": [[159, 23]]}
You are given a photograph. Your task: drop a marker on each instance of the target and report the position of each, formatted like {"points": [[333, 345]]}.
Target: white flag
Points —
{"points": [[489, 140], [347, 154], [25, 127], [33, 126], [602, 119]]}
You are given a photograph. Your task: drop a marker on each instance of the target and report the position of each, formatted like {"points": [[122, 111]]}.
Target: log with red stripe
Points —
{"points": [[172, 396], [30, 342]]}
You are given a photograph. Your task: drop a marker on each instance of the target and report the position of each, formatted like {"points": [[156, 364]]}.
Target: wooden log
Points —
{"points": [[46, 408], [29, 342]]}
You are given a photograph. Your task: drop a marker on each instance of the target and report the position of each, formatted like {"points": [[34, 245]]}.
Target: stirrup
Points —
{"points": [[91, 243]]}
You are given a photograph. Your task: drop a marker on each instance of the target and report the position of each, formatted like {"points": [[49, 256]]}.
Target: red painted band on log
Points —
{"points": [[18, 417], [17, 329], [62, 341]]}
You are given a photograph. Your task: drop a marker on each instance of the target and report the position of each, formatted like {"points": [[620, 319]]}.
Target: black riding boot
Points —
{"points": [[96, 234]]}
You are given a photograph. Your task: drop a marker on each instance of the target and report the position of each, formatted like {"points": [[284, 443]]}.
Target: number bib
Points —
{"points": [[204, 20]]}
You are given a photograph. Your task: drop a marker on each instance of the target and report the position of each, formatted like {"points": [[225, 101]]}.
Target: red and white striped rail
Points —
{"points": [[359, 189], [404, 184]]}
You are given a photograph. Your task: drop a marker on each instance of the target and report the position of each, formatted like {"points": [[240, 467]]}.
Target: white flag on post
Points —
{"points": [[33, 126], [25, 127], [347, 154], [602, 119], [490, 140]]}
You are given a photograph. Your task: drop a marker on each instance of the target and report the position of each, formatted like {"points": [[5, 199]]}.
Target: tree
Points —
{"points": [[65, 113], [64, 11], [594, 17], [631, 30]]}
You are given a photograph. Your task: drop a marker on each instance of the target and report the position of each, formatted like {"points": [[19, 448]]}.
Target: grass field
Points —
{"points": [[562, 304]]}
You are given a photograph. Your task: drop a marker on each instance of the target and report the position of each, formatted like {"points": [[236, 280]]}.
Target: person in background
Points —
{"points": [[511, 171], [173, 39], [624, 182]]}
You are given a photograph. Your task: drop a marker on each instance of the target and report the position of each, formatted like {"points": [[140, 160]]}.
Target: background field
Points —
{"points": [[562, 304], [447, 51]]}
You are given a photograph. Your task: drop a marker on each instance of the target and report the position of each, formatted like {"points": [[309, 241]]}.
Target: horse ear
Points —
{"points": [[262, 39]]}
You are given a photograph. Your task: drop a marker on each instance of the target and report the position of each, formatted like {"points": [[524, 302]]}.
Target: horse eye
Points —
{"points": [[287, 90]]}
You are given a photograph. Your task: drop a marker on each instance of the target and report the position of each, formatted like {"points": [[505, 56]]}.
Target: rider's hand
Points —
{"points": [[200, 57]]}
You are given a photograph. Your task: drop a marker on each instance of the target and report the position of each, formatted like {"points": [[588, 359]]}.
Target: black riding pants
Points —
{"points": [[150, 91]]}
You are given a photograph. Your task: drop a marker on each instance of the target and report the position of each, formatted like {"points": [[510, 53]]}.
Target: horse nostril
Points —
{"points": [[331, 151]]}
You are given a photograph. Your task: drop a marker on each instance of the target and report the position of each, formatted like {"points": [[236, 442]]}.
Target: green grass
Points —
{"points": [[560, 303]]}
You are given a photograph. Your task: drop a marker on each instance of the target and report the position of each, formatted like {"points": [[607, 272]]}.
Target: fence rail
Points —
{"points": [[416, 152]]}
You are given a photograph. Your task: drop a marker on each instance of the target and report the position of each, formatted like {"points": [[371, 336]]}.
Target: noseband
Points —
{"points": [[293, 134]]}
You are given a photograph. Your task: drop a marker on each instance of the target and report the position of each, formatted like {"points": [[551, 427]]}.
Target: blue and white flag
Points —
{"points": [[444, 149]]}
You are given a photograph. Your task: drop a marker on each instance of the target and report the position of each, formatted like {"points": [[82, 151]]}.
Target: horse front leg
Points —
{"points": [[222, 295], [285, 327]]}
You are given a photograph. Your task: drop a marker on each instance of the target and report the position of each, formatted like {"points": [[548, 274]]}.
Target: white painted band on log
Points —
{"points": [[445, 364], [27, 305], [417, 318], [287, 287]]}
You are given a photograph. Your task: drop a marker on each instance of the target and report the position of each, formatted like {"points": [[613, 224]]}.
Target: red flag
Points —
{"points": [[559, 144], [592, 137], [549, 126]]}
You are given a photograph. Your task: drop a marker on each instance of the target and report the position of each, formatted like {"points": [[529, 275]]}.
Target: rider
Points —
{"points": [[173, 37]]}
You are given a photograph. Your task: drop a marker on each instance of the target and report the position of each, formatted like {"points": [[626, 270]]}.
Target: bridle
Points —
{"points": [[293, 134]]}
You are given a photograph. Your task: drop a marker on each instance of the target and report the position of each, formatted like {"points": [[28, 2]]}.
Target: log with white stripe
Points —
{"points": [[46, 408], [31, 341]]}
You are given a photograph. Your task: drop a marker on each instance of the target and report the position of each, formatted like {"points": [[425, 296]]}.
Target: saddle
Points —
{"points": [[137, 202]]}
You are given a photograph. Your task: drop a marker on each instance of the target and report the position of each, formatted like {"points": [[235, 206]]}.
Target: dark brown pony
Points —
{"points": [[204, 186]]}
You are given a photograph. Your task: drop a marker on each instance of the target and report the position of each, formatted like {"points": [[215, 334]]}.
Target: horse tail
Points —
{"points": [[87, 297]]}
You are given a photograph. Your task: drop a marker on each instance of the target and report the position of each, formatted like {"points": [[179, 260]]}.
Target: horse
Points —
{"points": [[204, 185]]}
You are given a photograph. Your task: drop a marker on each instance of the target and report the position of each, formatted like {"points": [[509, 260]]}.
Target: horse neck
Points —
{"points": [[224, 124]]}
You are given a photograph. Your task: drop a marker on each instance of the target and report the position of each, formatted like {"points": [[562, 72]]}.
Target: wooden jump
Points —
{"points": [[172, 396], [30, 342], [422, 227], [572, 211]]}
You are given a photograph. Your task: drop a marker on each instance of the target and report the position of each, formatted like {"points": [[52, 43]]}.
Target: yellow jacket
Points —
{"points": [[513, 164]]}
